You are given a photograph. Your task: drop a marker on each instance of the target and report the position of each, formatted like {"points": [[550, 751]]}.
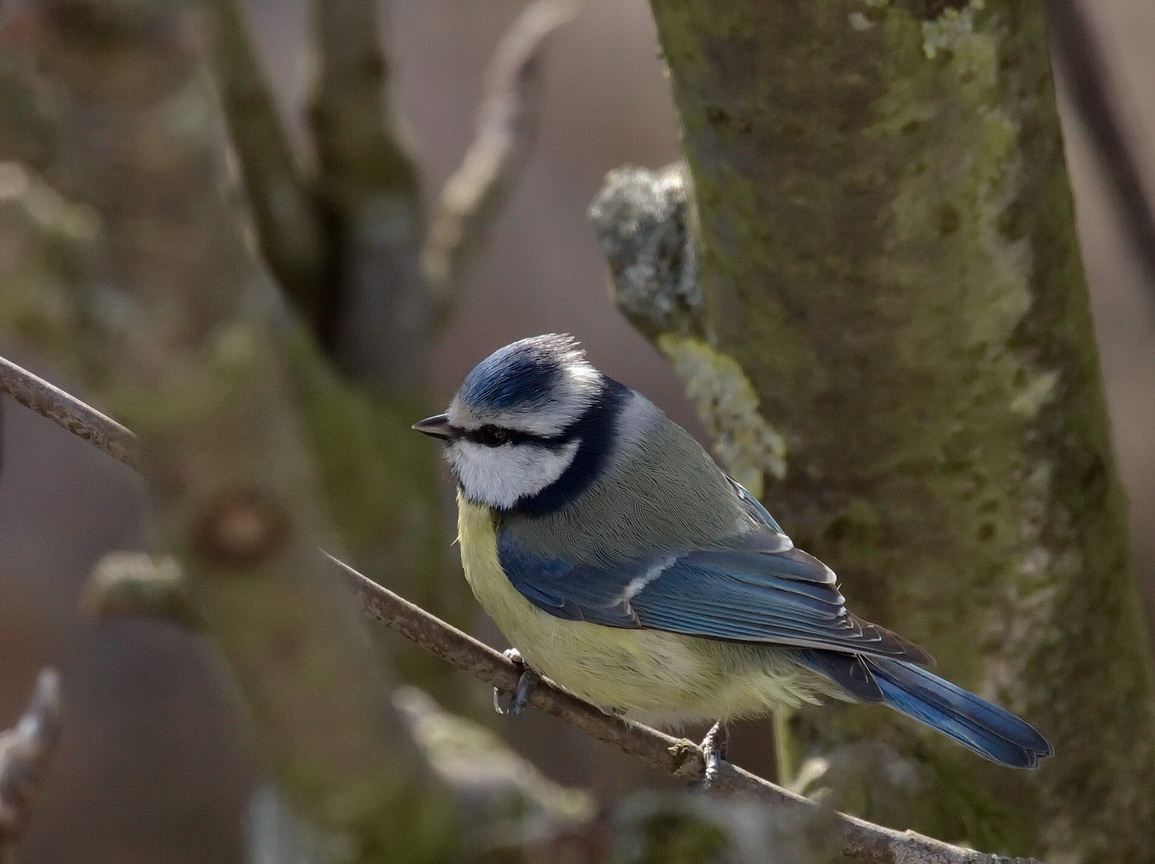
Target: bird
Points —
{"points": [[623, 564]]}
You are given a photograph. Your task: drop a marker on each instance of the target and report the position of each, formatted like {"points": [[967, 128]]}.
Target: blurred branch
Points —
{"points": [[855, 839], [280, 198], [375, 319], [75, 416], [357, 144], [1086, 68], [505, 132], [24, 755], [192, 350], [375, 325]]}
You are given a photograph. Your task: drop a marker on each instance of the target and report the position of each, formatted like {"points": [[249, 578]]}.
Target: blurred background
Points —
{"points": [[154, 766]]}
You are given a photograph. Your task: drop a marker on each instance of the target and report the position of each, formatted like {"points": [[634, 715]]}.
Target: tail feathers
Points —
{"points": [[973, 722]]}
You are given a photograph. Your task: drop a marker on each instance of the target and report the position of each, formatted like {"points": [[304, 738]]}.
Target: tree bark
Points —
{"points": [[886, 250]]}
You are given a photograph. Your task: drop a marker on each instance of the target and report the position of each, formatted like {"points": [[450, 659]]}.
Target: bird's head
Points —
{"points": [[519, 419]]}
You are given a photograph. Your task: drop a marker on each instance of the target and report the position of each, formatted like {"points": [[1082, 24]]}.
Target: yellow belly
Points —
{"points": [[648, 674]]}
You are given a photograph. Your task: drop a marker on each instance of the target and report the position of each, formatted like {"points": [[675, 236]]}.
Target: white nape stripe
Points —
{"points": [[501, 476], [636, 417]]}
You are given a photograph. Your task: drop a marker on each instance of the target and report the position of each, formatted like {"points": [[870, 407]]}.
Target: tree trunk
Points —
{"points": [[886, 249]]}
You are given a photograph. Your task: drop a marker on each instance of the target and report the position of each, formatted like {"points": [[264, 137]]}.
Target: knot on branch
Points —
{"points": [[240, 529], [641, 221]]}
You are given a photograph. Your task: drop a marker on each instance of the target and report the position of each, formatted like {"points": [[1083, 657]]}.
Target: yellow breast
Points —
{"points": [[649, 674]]}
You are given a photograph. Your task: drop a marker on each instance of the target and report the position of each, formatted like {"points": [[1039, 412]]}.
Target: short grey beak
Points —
{"points": [[436, 426]]}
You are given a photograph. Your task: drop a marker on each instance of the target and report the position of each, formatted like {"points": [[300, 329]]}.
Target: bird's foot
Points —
{"points": [[714, 747], [519, 699]]}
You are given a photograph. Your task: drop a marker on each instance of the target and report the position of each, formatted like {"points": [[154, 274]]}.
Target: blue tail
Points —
{"points": [[973, 722]]}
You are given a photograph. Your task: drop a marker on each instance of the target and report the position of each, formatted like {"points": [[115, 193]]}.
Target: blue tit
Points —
{"points": [[627, 567]]}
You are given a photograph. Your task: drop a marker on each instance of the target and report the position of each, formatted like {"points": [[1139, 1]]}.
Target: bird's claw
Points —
{"points": [[519, 699], [714, 747]]}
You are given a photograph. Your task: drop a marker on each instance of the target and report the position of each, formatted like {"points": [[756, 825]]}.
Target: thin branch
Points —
{"points": [[24, 756], [282, 202], [855, 839], [68, 411], [505, 131], [1082, 59]]}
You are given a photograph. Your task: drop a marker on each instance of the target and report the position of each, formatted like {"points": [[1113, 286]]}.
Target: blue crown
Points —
{"points": [[522, 375]]}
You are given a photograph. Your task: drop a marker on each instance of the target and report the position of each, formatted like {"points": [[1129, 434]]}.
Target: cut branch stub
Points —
{"points": [[640, 217]]}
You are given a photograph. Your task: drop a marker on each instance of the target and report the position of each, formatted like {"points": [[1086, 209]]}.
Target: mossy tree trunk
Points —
{"points": [[886, 248]]}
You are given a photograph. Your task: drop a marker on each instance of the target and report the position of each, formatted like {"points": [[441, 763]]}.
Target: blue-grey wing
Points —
{"points": [[754, 587], [754, 507]]}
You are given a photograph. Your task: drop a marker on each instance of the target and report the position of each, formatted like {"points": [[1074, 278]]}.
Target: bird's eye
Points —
{"points": [[492, 436]]}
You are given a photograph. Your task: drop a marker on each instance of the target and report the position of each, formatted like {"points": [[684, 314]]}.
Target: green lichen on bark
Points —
{"points": [[887, 249], [728, 407]]}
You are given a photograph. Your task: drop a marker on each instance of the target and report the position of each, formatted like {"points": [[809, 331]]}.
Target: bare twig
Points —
{"points": [[1085, 65], [282, 202], [856, 839], [24, 755], [75, 416], [505, 132]]}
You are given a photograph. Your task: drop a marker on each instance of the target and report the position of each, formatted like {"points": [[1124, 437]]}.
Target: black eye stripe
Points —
{"points": [[490, 436], [496, 436]]}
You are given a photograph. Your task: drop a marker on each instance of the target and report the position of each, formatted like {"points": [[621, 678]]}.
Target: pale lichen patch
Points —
{"points": [[1038, 392], [727, 405], [949, 30]]}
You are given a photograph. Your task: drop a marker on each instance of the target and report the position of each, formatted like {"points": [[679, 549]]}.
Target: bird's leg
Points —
{"points": [[519, 699], [714, 749]]}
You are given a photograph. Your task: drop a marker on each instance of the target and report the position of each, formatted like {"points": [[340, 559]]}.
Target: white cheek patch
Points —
{"points": [[500, 476]]}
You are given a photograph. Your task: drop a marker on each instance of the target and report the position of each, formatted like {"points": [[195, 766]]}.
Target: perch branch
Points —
{"points": [[24, 755], [68, 411], [505, 133], [855, 839]]}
